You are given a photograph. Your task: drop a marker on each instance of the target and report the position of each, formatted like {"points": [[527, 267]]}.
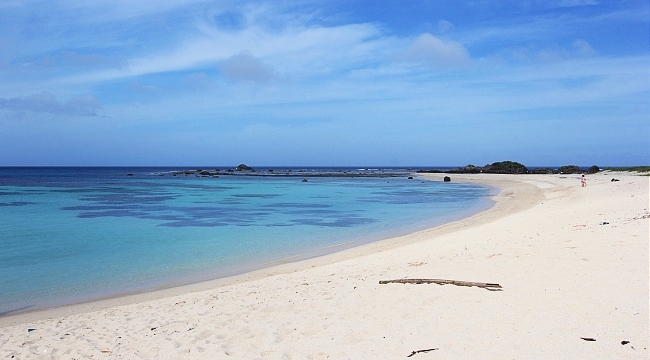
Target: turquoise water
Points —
{"points": [[72, 235]]}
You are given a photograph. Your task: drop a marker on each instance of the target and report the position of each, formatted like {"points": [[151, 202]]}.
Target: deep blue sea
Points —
{"points": [[70, 235]]}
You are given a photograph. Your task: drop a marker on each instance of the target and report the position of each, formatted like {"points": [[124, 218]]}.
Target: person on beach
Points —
{"points": [[583, 181]]}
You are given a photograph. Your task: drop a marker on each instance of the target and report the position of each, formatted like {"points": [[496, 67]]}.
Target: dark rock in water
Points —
{"points": [[304, 180], [501, 167], [469, 169], [446, 179], [570, 169], [432, 171], [129, 174], [472, 169], [410, 177], [592, 170], [243, 167], [204, 172]]}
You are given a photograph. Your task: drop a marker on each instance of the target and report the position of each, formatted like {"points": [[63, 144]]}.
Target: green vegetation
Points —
{"points": [[642, 170], [630, 168], [507, 166]]}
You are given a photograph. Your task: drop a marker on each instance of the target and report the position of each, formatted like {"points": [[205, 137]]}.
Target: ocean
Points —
{"points": [[70, 235]]}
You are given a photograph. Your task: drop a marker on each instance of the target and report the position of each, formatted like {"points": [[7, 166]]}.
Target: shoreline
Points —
{"points": [[293, 264], [564, 276], [309, 243]]}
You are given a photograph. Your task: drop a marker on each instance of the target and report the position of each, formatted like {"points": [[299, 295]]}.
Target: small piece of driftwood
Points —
{"points": [[441, 282], [421, 351]]}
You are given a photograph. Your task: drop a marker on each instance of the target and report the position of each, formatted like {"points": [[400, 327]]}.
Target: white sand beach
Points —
{"points": [[572, 263]]}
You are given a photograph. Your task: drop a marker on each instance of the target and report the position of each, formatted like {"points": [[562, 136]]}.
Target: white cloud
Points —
{"points": [[244, 66], [429, 50], [583, 48], [296, 49], [445, 26]]}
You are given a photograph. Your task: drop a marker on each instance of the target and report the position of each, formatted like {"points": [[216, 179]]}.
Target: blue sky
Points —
{"points": [[355, 82]]}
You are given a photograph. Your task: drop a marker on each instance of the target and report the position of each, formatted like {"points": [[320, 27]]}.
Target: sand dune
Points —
{"points": [[572, 261]]}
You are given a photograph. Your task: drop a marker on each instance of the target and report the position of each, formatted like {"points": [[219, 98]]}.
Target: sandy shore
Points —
{"points": [[572, 261]]}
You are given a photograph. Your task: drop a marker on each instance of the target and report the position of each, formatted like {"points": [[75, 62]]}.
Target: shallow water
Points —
{"points": [[76, 234]]}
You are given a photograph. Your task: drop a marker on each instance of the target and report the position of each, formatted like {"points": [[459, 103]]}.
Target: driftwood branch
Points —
{"points": [[421, 351], [441, 282]]}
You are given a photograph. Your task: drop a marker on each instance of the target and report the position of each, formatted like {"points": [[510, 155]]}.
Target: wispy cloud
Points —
{"points": [[298, 49], [71, 60], [197, 81], [583, 48], [230, 21], [549, 53], [571, 3], [215, 67], [47, 103], [148, 89]]}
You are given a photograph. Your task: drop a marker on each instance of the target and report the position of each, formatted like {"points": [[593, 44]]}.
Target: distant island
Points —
{"points": [[513, 167], [500, 167]]}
